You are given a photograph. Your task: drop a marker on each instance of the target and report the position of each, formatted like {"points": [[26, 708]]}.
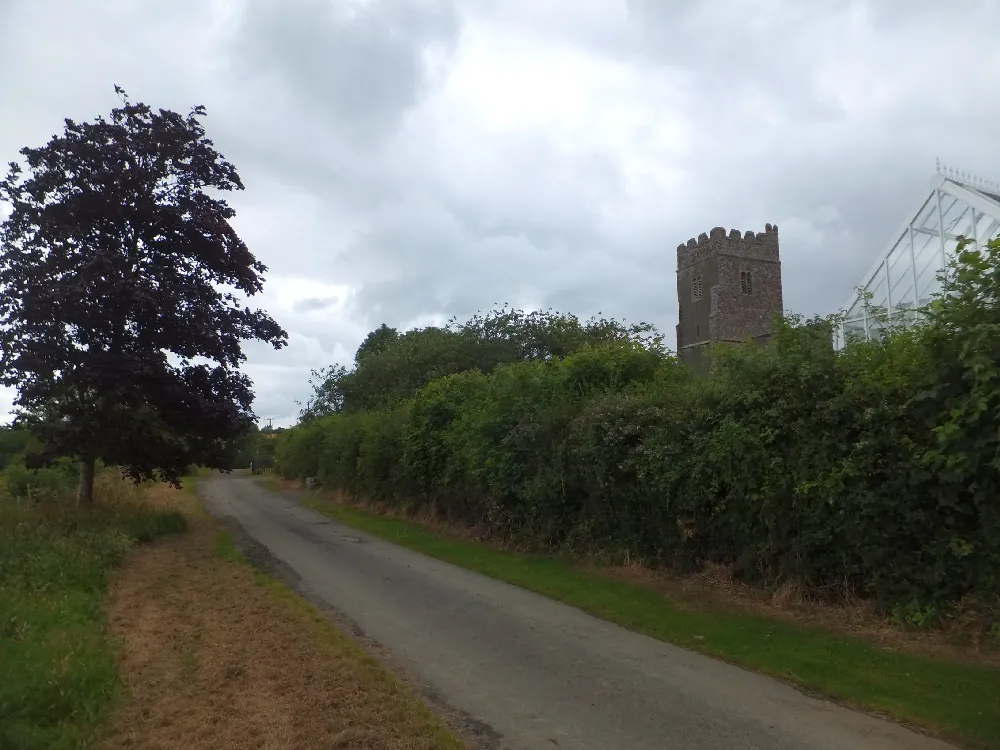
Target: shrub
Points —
{"points": [[48, 483]]}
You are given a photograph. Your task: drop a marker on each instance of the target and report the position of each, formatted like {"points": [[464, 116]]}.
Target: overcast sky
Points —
{"points": [[409, 160]]}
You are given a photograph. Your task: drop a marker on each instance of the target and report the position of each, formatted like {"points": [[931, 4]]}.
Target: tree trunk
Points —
{"points": [[85, 489]]}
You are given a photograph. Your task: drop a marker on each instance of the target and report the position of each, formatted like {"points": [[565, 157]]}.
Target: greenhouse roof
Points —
{"points": [[904, 278]]}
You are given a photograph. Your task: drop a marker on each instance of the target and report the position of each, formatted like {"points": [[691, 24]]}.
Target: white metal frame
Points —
{"points": [[979, 202]]}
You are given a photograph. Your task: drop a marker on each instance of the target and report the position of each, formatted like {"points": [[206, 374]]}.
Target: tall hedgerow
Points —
{"points": [[874, 469]]}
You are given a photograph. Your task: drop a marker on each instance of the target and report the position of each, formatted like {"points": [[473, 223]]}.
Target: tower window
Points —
{"points": [[746, 282], [696, 289]]}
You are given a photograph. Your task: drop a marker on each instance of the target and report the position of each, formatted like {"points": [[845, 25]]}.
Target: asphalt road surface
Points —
{"points": [[532, 673]]}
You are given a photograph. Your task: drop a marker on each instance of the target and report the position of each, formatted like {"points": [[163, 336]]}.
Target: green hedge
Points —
{"points": [[875, 469]]}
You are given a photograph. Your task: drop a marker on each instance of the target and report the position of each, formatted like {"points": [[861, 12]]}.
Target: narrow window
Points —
{"points": [[696, 289], [746, 282]]}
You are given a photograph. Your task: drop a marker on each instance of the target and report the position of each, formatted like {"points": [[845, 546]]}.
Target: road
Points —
{"points": [[530, 672]]}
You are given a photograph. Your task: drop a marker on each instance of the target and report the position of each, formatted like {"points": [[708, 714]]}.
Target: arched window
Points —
{"points": [[746, 282]]}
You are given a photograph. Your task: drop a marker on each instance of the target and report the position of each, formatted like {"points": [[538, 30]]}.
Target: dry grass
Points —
{"points": [[217, 656]]}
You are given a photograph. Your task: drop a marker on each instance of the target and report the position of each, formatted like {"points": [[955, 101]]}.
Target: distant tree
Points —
{"points": [[121, 316], [255, 448], [328, 393], [392, 366], [245, 447], [376, 342]]}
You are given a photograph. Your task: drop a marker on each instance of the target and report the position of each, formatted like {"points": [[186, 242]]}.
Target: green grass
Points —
{"points": [[226, 549], [58, 672], [961, 701]]}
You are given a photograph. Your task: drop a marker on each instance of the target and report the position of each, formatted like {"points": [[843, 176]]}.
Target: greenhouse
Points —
{"points": [[905, 278]]}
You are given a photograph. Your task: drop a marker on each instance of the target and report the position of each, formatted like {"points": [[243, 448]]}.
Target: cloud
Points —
{"points": [[406, 161], [312, 304], [361, 66]]}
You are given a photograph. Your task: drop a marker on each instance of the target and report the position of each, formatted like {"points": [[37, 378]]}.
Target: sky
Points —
{"points": [[407, 161]]}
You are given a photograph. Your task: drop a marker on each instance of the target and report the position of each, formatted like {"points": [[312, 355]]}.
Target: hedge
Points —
{"points": [[872, 470]]}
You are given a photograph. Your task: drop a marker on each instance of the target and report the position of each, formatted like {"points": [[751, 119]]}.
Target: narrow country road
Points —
{"points": [[538, 673]]}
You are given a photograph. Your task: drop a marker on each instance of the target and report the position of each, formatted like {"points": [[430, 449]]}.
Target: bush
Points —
{"points": [[872, 470], [41, 484]]}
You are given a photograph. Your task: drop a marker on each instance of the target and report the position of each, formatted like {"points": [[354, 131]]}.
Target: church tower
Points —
{"points": [[728, 290]]}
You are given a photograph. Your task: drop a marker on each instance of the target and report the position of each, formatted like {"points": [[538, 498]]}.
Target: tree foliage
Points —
{"points": [[13, 442], [121, 295], [376, 342], [390, 367], [873, 470]]}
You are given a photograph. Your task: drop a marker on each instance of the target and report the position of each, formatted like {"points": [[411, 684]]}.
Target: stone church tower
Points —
{"points": [[728, 290]]}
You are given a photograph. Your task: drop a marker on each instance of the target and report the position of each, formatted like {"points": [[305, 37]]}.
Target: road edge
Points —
{"points": [[473, 733]]}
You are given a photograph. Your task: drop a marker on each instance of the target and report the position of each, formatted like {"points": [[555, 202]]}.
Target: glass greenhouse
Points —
{"points": [[905, 277]]}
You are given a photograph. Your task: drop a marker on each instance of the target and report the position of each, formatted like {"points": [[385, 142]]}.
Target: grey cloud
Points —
{"points": [[767, 46], [314, 90], [278, 388], [361, 65], [312, 304]]}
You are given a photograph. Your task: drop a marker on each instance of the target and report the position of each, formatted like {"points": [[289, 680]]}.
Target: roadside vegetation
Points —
{"points": [[218, 653], [870, 472], [60, 675], [180, 644], [865, 475]]}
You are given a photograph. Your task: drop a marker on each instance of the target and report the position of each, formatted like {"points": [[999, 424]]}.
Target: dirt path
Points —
{"points": [[539, 673], [213, 658]]}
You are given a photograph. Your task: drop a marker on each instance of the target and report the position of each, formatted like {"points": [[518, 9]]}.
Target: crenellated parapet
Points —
{"points": [[758, 245]]}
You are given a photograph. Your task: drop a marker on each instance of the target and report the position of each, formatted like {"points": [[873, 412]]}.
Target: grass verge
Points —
{"points": [[219, 654], [957, 700], [60, 677], [416, 723]]}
